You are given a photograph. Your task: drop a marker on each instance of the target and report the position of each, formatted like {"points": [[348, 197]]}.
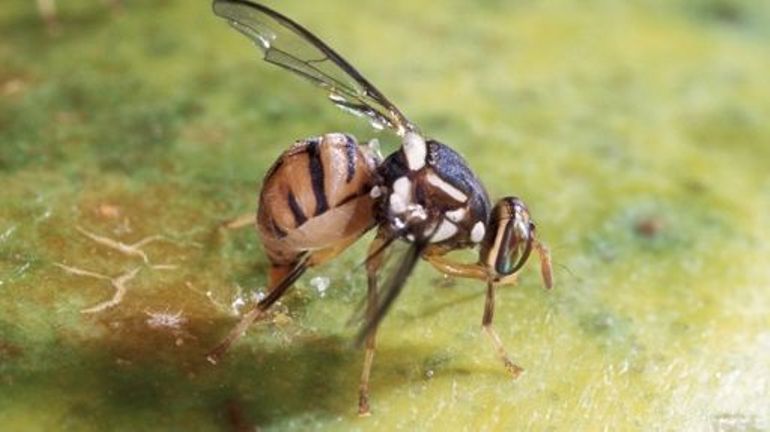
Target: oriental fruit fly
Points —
{"points": [[323, 193]]}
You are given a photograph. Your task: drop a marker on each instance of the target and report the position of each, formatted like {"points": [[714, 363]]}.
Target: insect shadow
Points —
{"points": [[132, 371]]}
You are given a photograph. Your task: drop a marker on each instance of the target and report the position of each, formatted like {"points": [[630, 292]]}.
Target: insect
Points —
{"points": [[324, 193]]}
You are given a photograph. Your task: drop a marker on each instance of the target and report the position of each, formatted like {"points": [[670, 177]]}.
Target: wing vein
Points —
{"points": [[292, 47]]}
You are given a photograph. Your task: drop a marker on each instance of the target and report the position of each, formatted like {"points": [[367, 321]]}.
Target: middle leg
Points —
{"points": [[373, 264], [455, 269]]}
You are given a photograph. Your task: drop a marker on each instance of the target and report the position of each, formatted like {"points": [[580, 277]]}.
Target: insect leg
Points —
{"points": [[489, 311], [545, 264], [275, 293], [511, 279], [373, 264], [456, 269], [244, 220]]}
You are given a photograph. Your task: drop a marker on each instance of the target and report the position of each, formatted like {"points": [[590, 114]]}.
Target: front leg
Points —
{"points": [[477, 271], [455, 269], [486, 322]]}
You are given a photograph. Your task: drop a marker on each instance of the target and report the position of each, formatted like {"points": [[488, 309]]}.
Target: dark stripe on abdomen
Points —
{"points": [[350, 153], [296, 210], [317, 178], [280, 233]]}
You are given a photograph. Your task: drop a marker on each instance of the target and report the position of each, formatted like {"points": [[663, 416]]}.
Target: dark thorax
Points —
{"points": [[432, 195]]}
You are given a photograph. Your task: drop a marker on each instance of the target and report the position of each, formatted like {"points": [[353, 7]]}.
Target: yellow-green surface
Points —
{"points": [[637, 132]]}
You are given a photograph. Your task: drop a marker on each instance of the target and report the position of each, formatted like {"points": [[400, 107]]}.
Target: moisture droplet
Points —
{"points": [[321, 284], [237, 304]]}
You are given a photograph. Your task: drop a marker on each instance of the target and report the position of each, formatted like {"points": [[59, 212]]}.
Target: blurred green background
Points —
{"points": [[637, 132]]}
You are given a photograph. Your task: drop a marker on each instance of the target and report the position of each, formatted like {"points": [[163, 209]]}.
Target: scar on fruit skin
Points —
{"points": [[118, 282], [126, 249]]}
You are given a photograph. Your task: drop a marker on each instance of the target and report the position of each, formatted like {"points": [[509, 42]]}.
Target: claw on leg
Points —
{"points": [[363, 390], [512, 368], [215, 355]]}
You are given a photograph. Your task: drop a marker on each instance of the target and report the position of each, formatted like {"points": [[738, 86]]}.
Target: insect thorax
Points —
{"points": [[432, 195]]}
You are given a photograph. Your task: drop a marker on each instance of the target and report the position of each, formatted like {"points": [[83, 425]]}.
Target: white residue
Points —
{"points": [[165, 319], [237, 304], [321, 284], [258, 296]]}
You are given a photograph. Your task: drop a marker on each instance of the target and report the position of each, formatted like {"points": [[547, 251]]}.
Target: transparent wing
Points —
{"points": [[290, 46]]}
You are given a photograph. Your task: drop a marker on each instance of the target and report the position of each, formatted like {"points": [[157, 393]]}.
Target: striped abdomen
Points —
{"points": [[316, 197]]}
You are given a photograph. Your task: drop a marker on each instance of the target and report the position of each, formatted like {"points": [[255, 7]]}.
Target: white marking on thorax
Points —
{"points": [[416, 150], [416, 212], [397, 204], [376, 192], [447, 188], [403, 187], [456, 215], [401, 196], [444, 231], [477, 233]]}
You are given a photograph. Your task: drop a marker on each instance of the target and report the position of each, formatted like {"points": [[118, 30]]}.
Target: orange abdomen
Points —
{"points": [[316, 197]]}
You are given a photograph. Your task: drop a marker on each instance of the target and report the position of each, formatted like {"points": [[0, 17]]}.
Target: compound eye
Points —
{"points": [[521, 229], [515, 247]]}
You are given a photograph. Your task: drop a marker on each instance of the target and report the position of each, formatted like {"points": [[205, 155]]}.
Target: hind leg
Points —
{"points": [[281, 278]]}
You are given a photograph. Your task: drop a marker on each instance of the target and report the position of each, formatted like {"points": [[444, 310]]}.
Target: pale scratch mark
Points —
{"points": [[126, 249], [164, 267], [118, 283], [80, 272]]}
